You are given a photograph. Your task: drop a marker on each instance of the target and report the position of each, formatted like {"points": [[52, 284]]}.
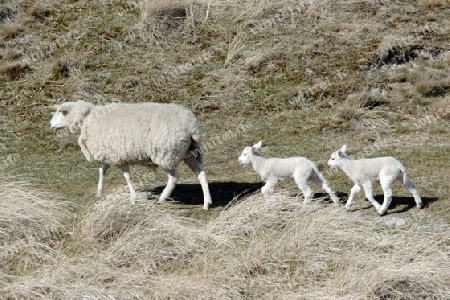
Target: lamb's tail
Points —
{"points": [[404, 177], [195, 148]]}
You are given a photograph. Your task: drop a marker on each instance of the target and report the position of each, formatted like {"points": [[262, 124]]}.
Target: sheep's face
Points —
{"points": [[249, 152], [60, 118], [245, 155], [336, 156], [71, 114]]}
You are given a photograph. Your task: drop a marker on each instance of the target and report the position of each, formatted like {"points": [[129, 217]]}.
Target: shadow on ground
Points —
{"points": [[403, 204], [398, 204], [222, 193]]}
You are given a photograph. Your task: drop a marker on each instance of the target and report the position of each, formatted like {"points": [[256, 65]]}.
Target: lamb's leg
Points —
{"points": [[269, 187], [306, 190], [369, 195], [386, 185], [172, 177], [404, 180], [101, 172], [197, 167], [126, 174], [355, 190], [320, 180]]}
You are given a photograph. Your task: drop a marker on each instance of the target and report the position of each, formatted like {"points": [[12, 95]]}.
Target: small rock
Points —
{"points": [[394, 221]]}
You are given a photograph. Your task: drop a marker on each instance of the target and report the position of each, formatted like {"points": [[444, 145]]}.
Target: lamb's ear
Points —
{"points": [[344, 149], [258, 145]]}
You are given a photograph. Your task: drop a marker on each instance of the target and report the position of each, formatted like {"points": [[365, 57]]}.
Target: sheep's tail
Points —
{"points": [[405, 177], [196, 148]]}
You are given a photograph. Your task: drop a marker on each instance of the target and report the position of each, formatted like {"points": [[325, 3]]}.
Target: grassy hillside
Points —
{"points": [[304, 77]]}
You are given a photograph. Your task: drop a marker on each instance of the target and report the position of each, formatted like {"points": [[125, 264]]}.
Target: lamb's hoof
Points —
{"points": [[382, 212], [347, 207], [205, 207], [419, 206], [132, 201], [162, 201]]}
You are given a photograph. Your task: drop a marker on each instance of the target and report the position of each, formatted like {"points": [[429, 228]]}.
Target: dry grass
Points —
{"points": [[14, 70], [11, 30], [30, 224], [256, 248]]}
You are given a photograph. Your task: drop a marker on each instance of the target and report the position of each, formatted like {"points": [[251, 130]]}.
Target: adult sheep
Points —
{"points": [[148, 134]]}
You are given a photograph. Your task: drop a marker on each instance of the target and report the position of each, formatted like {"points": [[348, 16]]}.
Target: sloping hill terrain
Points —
{"points": [[305, 77]]}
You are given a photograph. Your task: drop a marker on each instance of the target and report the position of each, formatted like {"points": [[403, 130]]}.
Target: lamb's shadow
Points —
{"points": [[222, 193], [403, 204]]}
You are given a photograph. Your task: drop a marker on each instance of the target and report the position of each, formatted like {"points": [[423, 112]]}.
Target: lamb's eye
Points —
{"points": [[64, 112]]}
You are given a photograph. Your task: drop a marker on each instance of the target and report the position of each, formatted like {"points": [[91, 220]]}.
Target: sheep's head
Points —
{"points": [[244, 158], [336, 156], [70, 114]]}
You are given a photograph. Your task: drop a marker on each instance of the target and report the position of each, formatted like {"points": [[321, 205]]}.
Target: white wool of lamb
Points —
{"points": [[272, 170], [363, 171], [149, 134]]}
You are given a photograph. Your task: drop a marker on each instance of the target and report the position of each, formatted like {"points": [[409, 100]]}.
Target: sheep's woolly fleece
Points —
{"points": [[120, 134]]}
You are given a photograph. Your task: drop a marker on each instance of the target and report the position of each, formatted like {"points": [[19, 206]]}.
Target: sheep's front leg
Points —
{"points": [[101, 174], [269, 187], [355, 190], [126, 174], [172, 178], [369, 195]]}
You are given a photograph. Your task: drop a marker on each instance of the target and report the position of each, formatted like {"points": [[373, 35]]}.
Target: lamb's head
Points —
{"points": [[71, 114], [248, 152], [337, 156]]}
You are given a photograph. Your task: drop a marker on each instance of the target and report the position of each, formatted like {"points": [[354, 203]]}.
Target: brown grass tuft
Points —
{"points": [[11, 30], [432, 4], [441, 108], [128, 82], [39, 11], [14, 70], [30, 222]]}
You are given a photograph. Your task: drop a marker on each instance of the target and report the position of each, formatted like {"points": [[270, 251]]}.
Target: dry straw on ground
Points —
{"points": [[257, 248]]}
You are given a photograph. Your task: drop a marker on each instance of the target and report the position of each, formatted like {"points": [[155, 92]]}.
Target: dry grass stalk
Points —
{"points": [[11, 30]]}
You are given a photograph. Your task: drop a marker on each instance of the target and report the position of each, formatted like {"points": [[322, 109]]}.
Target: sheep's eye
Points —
{"points": [[64, 112]]}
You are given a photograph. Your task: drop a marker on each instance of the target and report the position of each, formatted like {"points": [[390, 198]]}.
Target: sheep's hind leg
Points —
{"points": [[305, 188], [369, 195], [126, 174], [197, 167], [404, 180], [326, 187], [172, 178], [386, 185], [101, 174]]}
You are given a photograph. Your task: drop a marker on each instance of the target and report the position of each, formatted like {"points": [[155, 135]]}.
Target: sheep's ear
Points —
{"points": [[344, 149], [258, 145]]}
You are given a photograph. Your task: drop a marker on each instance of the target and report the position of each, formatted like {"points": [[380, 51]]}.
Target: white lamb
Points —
{"points": [[149, 134], [273, 170], [363, 171]]}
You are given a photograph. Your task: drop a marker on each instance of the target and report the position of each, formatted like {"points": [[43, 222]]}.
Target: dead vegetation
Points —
{"points": [[256, 248]]}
